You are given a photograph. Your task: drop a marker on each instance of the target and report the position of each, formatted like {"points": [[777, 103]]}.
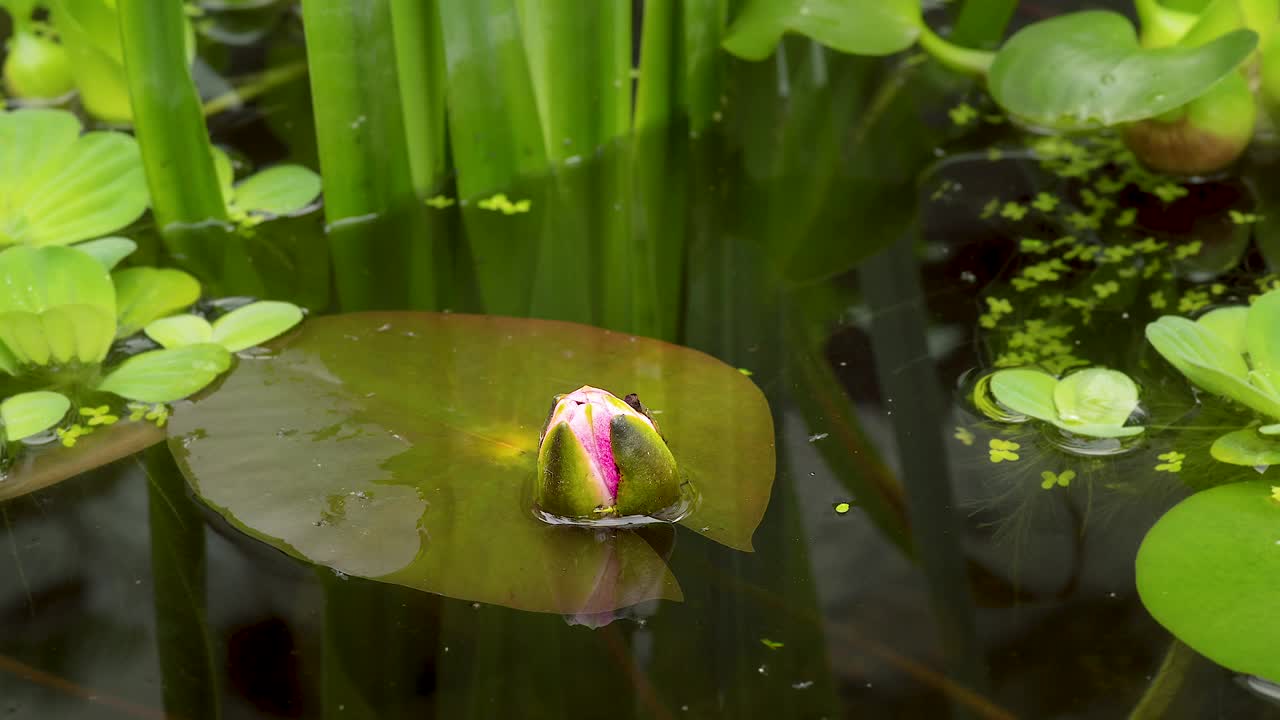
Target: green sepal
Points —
{"points": [[567, 485], [648, 479]]}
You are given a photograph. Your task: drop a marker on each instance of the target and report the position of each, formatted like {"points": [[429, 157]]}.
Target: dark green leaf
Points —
{"points": [[403, 447]]}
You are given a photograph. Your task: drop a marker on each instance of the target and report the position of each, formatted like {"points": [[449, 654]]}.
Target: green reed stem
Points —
{"points": [[981, 23], [702, 60], [168, 119], [364, 155], [1166, 683], [420, 61]]}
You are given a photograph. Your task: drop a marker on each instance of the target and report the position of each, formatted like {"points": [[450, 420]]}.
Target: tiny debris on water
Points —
{"points": [[818, 436], [771, 644], [802, 685]]}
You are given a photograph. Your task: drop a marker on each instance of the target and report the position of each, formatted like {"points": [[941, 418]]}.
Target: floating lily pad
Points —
{"points": [[40, 467], [403, 447], [1086, 69], [1207, 571], [1247, 447]]}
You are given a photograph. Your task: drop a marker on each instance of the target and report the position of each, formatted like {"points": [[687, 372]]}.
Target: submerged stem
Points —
{"points": [[1168, 680]]}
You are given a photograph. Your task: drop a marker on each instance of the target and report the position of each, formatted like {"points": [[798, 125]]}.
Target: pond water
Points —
{"points": [[843, 252]]}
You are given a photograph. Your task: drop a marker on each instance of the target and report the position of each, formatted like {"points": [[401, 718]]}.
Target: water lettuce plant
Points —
{"points": [[36, 66], [1234, 353], [1180, 92], [59, 186], [599, 456], [1093, 402], [403, 447], [62, 312]]}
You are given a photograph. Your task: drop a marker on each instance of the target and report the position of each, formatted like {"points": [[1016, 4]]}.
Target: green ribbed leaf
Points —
{"points": [[31, 413], [162, 376]]}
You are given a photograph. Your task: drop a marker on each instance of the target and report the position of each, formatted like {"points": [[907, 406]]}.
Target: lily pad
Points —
{"points": [[403, 447], [882, 27], [58, 186], [40, 467], [1086, 69], [1207, 572]]}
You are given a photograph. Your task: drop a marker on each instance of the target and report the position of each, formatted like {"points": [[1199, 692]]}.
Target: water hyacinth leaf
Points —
{"points": [[1086, 69], [162, 376], [883, 27], [1207, 572], [1246, 447], [108, 250], [1029, 392], [1229, 325], [254, 324], [60, 187], [279, 190], [1095, 396], [1203, 357], [1262, 336], [145, 294], [419, 432], [30, 413], [36, 279], [180, 330]]}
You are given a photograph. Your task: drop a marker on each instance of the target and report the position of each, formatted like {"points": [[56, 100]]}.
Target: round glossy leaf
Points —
{"points": [[162, 376], [878, 27], [27, 414], [1246, 447], [1095, 396], [36, 279], [1087, 69], [108, 250], [145, 294], [69, 187], [1208, 571], [403, 447], [279, 190], [1025, 391], [254, 324], [180, 330]]}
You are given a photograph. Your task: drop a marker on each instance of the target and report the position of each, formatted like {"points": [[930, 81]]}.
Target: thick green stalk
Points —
{"points": [[184, 644], [364, 155], [702, 60], [981, 23], [420, 61], [168, 118]]}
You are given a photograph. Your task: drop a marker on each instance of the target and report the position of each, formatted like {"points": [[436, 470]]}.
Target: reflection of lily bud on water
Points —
{"points": [[601, 575], [602, 457]]}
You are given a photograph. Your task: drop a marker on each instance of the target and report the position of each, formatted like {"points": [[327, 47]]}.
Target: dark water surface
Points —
{"points": [[836, 254]]}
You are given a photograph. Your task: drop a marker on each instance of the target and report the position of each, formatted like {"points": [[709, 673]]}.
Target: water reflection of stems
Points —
{"points": [[1166, 684], [190, 683]]}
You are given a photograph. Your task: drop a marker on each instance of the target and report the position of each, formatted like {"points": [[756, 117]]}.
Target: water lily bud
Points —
{"points": [[600, 456], [1204, 136], [36, 68]]}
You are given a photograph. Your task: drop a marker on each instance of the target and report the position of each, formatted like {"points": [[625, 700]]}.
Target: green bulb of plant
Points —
{"points": [[1203, 136], [36, 68]]}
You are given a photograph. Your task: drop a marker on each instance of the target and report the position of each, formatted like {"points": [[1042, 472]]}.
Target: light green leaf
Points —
{"points": [[254, 324], [31, 413], [863, 27], [1086, 69], [226, 174], [145, 294], [58, 335], [1270, 429], [1246, 447], [1095, 396], [180, 330], [162, 376], [1262, 336], [108, 250], [1207, 572], [1228, 324], [62, 187], [1100, 430], [1203, 357], [36, 279], [1025, 391], [279, 190]]}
